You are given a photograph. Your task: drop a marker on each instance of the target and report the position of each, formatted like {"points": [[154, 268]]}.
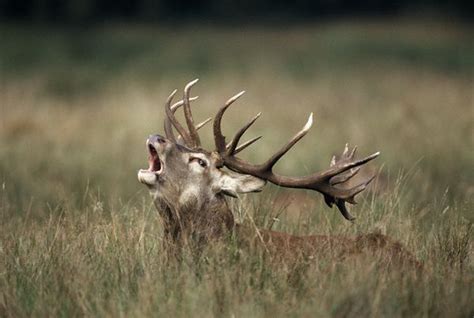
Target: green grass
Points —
{"points": [[78, 233]]}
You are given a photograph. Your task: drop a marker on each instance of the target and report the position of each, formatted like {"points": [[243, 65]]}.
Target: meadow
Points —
{"points": [[79, 235]]}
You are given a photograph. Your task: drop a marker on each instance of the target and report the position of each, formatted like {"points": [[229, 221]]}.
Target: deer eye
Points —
{"points": [[201, 162]]}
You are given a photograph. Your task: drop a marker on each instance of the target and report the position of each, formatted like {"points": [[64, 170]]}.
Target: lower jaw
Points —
{"points": [[147, 177]]}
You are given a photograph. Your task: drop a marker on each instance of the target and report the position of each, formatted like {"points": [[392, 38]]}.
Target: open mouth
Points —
{"points": [[154, 162], [151, 175]]}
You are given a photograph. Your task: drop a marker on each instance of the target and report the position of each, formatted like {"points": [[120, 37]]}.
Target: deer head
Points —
{"points": [[181, 177], [189, 184]]}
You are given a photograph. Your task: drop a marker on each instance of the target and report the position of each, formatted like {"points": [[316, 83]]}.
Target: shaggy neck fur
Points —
{"points": [[198, 222]]}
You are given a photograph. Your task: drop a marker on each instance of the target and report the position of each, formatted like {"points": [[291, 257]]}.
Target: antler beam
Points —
{"points": [[324, 182]]}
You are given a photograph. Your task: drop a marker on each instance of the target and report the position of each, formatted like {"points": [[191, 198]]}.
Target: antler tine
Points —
{"points": [[194, 136], [200, 125], [219, 139], [235, 141], [350, 194], [351, 156], [245, 145], [347, 194], [346, 166], [341, 178], [345, 157], [341, 205], [171, 118], [268, 165], [203, 123], [167, 124], [177, 105]]}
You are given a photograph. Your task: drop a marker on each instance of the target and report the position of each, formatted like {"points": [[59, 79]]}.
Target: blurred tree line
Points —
{"points": [[74, 11]]}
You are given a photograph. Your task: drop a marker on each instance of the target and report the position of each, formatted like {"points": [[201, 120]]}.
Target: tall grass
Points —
{"points": [[110, 261], [79, 236]]}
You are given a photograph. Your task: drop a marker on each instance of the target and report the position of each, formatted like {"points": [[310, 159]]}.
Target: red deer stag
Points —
{"points": [[189, 185]]}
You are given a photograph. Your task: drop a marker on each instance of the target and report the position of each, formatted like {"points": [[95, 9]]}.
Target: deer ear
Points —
{"points": [[231, 183]]}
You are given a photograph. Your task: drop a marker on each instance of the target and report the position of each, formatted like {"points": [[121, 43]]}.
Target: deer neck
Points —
{"points": [[201, 222]]}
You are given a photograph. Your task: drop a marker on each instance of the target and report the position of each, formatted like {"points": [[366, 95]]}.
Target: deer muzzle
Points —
{"points": [[154, 146]]}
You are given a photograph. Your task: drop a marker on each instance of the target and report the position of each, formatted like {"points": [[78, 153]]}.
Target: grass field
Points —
{"points": [[79, 235]]}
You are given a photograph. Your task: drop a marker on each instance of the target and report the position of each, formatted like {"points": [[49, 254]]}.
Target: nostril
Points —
{"points": [[152, 150]]}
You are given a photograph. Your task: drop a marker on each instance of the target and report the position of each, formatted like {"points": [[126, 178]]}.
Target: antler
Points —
{"points": [[189, 116], [191, 138], [328, 182]]}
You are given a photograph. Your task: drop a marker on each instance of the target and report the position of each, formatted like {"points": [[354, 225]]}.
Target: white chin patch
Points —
{"points": [[147, 177]]}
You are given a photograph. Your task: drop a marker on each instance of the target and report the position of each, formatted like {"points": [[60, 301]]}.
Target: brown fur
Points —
{"points": [[339, 246], [205, 226], [189, 193]]}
